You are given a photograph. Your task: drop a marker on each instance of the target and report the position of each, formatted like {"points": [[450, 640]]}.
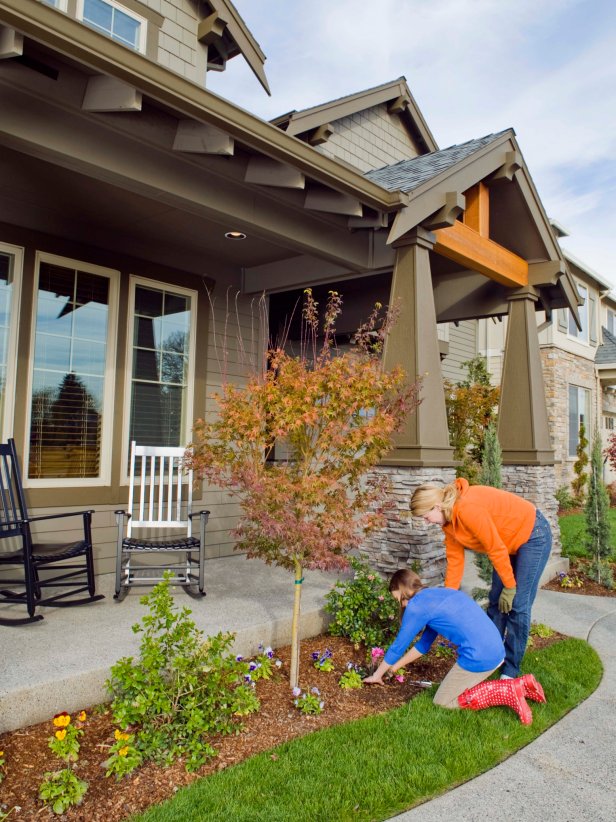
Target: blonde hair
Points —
{"points": [[427, 496], [405, 581]]}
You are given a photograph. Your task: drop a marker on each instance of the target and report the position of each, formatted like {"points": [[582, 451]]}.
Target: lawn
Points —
{"points": [[379, 766], [573, 533]]}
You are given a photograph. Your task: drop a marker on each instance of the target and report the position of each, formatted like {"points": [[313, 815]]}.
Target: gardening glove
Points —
{"points": [[505, 601]]}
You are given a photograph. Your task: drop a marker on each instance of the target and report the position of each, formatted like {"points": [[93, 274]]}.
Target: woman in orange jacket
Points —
{"points": [[512, 532]]}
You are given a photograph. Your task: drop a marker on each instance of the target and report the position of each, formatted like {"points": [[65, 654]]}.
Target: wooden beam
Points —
{"points": [[211, 29], [333, 202], [468, 248], [320, 135], [477, 212]]}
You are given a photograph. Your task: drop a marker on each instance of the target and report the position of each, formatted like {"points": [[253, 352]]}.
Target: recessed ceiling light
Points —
{"points": [[235, 235]]}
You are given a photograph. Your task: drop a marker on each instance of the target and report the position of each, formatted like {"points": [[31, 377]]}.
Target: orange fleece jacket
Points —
{"points": [[488, 520]]}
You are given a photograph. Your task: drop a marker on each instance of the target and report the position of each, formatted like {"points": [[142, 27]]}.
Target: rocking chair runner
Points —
{"points": [[31, 562], [159, 521]]}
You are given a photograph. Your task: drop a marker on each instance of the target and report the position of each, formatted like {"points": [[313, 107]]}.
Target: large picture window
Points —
{"points": [[579, 411], [73, 342], [10, 277], [162, 364]]}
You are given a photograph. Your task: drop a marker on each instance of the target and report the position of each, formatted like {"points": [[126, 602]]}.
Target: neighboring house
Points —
{"points": [[141, 218], [579, 365]]}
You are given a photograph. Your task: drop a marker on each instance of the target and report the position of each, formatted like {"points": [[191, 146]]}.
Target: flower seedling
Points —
{"points": [[323, 661], [444, 650], [63, 788], [309, 702], [124, 756], [352, 678]]}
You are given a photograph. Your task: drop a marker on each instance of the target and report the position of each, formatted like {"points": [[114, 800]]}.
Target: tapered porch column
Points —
{"points": [[523, 428], [413, 344]]}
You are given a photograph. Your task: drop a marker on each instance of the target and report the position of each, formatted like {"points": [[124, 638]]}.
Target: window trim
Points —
{"points": [[104, 478], [587, 422], [11, 366], [143, 23], [159, 285], [58, 5], [582, 336]]}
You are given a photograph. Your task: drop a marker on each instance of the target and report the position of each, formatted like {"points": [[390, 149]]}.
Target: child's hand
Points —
{"points": [[373, 680]]}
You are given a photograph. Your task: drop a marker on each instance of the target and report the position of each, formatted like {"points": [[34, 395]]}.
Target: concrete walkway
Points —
{"points": [[567, 774], [61, 663]]}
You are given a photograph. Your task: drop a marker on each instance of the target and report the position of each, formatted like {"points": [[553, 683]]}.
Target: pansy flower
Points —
{"points": [[61, 734], [62, 720]]}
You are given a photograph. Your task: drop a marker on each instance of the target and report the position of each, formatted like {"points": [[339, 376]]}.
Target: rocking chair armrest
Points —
{"points": [[59, 516], [202, 513]]}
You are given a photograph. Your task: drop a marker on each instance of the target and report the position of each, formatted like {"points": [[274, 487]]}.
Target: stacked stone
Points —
{"points": [[536, 483], [407, 542]]}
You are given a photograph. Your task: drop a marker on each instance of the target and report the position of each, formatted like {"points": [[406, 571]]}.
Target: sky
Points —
{"points": [[547, 68]]}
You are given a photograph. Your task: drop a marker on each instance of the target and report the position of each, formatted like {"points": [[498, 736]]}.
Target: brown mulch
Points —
{"points": [[579, 581], [27, 755]]}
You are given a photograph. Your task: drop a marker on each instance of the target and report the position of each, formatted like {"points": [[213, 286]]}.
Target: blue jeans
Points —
{"points": [[528, 564]]}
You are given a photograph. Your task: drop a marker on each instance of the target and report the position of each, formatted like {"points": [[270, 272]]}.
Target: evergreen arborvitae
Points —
{"points": [[579, 466], [491, 465], [492, 461], [596, 510]]}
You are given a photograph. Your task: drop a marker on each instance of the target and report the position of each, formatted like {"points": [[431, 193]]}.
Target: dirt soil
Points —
{"points": [[578, 581], [27, 755]]}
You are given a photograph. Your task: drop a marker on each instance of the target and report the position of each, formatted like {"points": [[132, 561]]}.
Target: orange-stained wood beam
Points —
{"points": [[477, 212], [466, 247]]}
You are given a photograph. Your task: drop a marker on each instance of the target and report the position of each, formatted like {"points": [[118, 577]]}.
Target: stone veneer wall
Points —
{"points": [[560, 370], [405, 542]]}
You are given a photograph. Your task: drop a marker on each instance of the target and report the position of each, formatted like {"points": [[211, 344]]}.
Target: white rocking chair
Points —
{"points": [[159, 521]]}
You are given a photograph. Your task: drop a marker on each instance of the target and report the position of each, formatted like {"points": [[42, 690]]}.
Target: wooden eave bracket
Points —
{"points": [[200, 138], [371, 219], [104, 93], [398, 105], [332, 202], [506, 172], [319, 135], [11, 43], [211, 29], [265, 171], [446, 216]]}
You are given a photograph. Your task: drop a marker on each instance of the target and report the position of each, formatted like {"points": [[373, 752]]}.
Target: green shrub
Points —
{"points": [[362, 608], [565, 499], [181, 688]]}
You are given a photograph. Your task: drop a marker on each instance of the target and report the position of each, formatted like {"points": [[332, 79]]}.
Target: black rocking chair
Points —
{"points": [[31, 562]]}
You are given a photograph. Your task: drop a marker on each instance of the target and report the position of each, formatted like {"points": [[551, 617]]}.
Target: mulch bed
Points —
{"points": [[579, 581], [27, 755]]}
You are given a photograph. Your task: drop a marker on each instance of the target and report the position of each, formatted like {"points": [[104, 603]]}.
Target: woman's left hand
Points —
{"points": [[373, 680]]}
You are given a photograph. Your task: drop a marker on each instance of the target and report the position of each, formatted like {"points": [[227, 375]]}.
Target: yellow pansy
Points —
{"points": [[62, 720], [123, 751], [82, 716], [61, 734], [121, 736]]}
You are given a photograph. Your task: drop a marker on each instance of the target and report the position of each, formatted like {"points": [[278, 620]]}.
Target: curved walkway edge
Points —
{"points": [[568, 772]]}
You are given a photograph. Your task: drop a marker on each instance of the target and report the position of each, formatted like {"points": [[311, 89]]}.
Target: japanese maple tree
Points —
{"points": [[335, 414]]}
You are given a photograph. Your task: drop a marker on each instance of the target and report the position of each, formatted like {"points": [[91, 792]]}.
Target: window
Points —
{"points": [[57, 4], [71, 377], [583, 313], [609, 423], [161, 364], [610, 321], [10, 278], [579, 411], [115, 21]]}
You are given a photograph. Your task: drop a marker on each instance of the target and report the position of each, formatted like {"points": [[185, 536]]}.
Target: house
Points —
{"points": [[141, 215]]}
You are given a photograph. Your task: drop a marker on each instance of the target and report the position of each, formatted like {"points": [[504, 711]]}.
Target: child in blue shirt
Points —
{"points": [[459, 619]]}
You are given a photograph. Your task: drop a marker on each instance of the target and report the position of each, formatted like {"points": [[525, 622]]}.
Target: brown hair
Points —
{"points": [[405, 581], [427, 496]]}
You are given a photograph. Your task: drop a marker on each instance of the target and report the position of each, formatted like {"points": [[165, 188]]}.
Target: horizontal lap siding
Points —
{"points": [[462, 347]]}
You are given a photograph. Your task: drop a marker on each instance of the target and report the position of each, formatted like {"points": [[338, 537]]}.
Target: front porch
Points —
{"points": [[62, 662]]}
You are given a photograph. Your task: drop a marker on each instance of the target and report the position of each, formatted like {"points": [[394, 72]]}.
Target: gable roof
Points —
{"points": [[308, 119], [236, 39], [409, 174], [606, 352]]}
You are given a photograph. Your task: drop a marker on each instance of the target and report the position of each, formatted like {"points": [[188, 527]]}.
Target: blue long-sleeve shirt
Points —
{"points": [[459, 619]]}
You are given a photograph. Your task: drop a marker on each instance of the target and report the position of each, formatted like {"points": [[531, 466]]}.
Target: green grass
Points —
{"points": [[573, 533], [382, 765]]}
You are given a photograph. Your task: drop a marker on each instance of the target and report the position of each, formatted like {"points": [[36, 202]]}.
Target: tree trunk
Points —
{"points": [[295, 627]]}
